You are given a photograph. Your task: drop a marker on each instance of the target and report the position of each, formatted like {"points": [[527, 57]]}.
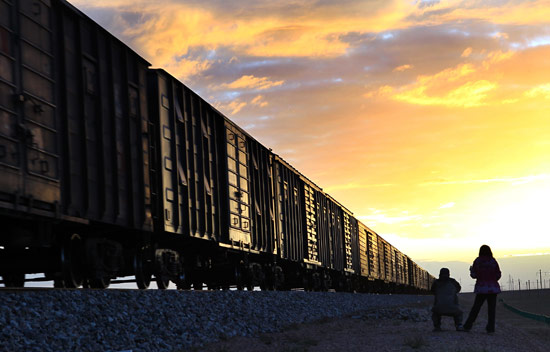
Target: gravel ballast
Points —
{"points": [[154, 320]]}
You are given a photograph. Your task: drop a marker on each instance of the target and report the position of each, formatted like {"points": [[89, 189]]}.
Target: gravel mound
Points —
{"points": [[155, 320]]}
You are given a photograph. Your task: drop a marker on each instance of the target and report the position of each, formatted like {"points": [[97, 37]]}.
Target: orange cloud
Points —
{"points": [[467, 94], [235, 106], [542, 91], [258, 100], [402, 68], [470, 94], [251, 82], [467, 52], [516, 13], [185, 68], [169, 31], [465, 85]]}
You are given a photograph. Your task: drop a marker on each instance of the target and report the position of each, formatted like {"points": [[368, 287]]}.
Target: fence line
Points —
{"points": [[538, 317]]}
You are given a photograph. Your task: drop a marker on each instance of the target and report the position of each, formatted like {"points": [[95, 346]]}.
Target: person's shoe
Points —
{"points": [[466, 329], [437, 329], [460, 328]]}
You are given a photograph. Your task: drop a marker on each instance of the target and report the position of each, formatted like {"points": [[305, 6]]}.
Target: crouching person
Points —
{"points": [[445, 290]]}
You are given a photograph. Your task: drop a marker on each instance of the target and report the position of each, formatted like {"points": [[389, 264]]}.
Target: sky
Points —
{"points": [[427, 119]]}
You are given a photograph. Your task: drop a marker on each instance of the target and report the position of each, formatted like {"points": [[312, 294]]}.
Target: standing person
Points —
{"points": [[445, 290], [487, 273]]}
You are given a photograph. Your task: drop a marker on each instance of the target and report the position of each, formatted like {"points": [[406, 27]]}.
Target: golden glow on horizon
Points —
{"points": [[427, 119]]}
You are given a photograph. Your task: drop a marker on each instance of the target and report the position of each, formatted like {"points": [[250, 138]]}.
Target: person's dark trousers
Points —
{"points": [[491, 305], [436, 318]]}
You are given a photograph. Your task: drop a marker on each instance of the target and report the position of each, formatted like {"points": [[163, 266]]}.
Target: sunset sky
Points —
{"points": [[429, 120]]}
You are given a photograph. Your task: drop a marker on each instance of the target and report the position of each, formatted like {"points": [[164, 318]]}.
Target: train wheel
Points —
{"points": [[197, 285], [71, 273], [14, 280], [183, 282], [256, 277], [239, 279], [142, 268], [278, 278], [101, 283], [327, 281], [162, 281]]}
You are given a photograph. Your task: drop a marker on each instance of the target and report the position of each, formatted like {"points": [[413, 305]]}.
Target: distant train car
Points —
{"points": [[111, 169]]}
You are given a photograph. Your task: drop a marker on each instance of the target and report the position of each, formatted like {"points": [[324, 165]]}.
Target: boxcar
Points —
{"points": [[73, 143]]}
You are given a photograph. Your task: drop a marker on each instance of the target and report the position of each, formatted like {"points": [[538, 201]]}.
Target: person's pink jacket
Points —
{"points": [[487, 272]]}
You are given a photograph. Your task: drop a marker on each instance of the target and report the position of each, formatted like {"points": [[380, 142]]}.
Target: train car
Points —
{"points": [[73, 145], [312, 231], [369, 257], [215, 201]]}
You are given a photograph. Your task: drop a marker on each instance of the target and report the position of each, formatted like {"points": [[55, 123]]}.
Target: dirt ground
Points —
{"points": [[359, 333]]}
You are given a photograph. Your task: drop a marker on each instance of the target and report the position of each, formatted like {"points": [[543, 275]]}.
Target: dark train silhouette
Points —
{"points": [[111, 169]]}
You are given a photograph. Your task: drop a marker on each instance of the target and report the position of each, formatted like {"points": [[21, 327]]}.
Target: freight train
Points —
{"points": [[110, 169]]}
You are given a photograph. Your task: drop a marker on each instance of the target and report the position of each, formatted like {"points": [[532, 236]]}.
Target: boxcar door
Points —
{"points": [[311, 239], [239, 197]]}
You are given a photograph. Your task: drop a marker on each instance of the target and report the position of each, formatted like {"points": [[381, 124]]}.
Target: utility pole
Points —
{"points": [[519, 285], [541, 282]]}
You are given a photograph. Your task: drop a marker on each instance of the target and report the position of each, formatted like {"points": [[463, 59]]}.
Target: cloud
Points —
{"points": [[448, 205], [233, 107], [387, 219], [542, 91], [498, 12], [259, 100], [468, 94], [495, 57], [512, 180], [185, 68], [251, 82], [349, 186], [465, 85], [402, 68], [467, 52], [471, 94]]}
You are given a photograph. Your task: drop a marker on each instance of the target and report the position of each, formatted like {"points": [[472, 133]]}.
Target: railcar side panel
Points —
{"points": [[188, 165], [324, 229], [103, 87], [74, 108], [239, 186], [29, 114], [355, 251], [331, 230], [262, 198], [312, 230], [405, 269], [373, 255], [290, 217], [336, 217], [363, 253], [398, 264]]}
